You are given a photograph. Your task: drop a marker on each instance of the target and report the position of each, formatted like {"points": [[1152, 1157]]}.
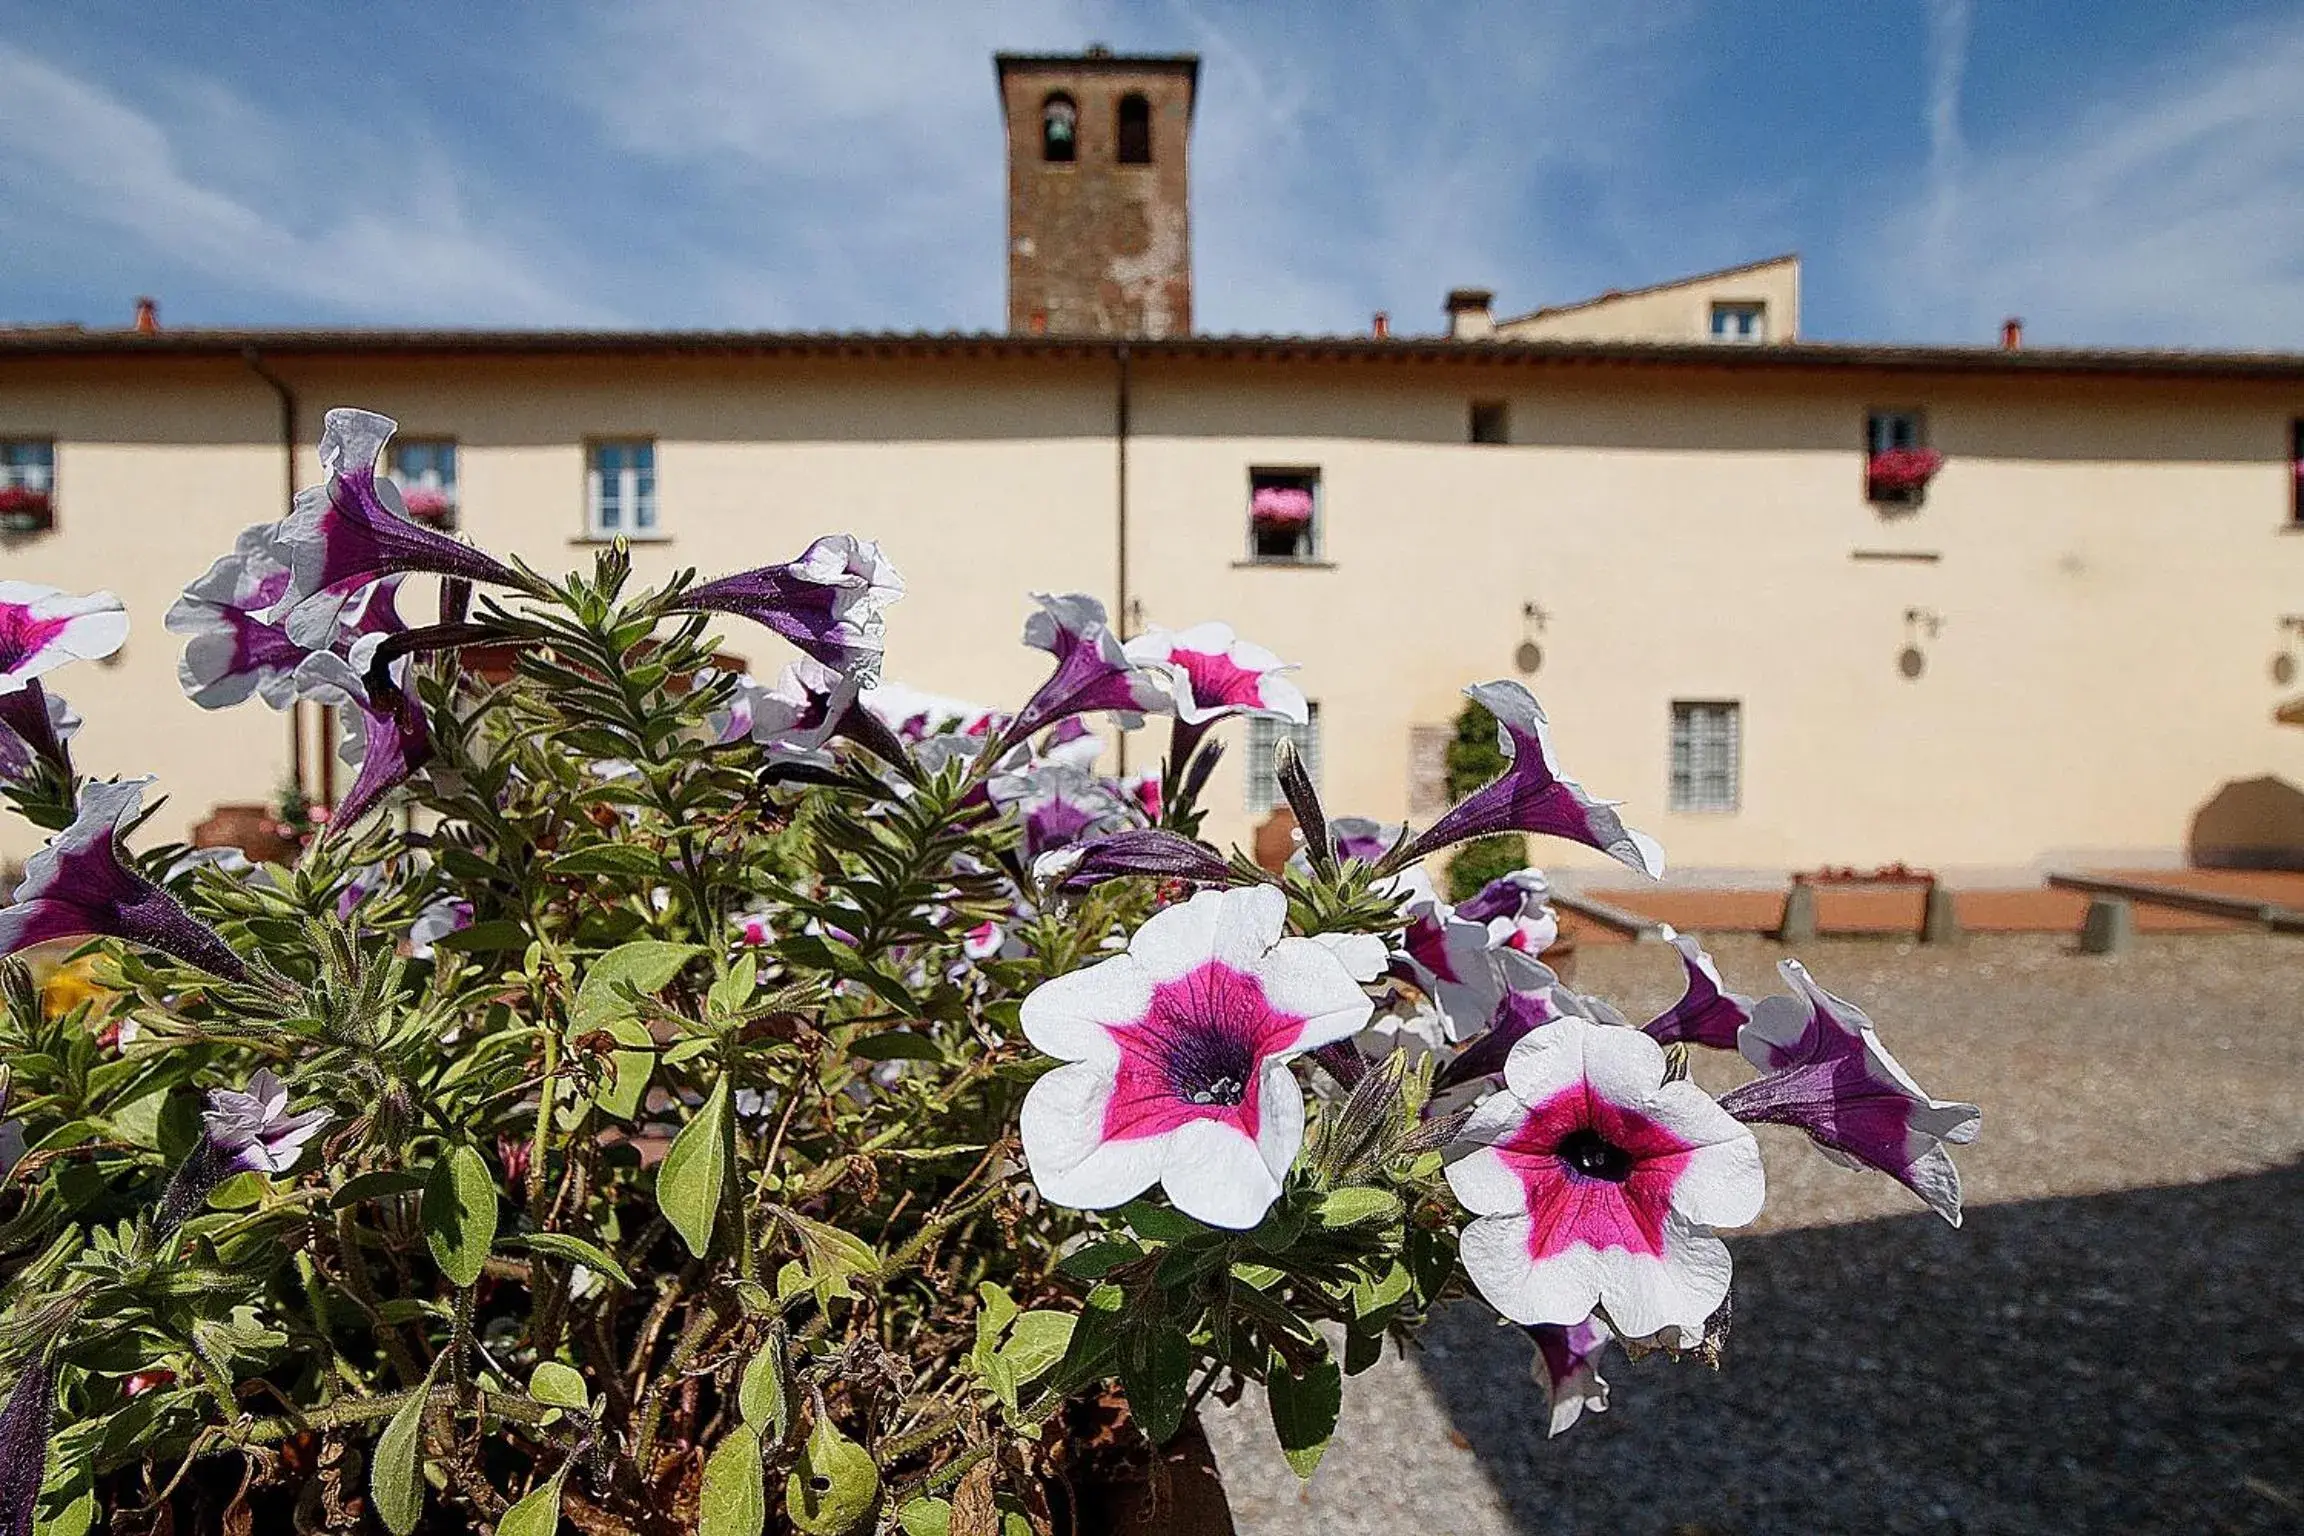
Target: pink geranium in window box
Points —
{"points": [[430, 506], [1902, 471], [1282, 506], [24, 510]]}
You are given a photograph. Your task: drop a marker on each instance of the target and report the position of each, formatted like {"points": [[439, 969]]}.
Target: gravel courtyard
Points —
{"points": [[2114, 1341]]}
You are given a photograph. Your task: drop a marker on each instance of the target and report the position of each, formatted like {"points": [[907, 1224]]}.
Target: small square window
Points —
{"points": [[1739, 320], [1706, 741], [1490, 422], [1264, 736], [1284, 514], [27, 485], [425, 471], [620, 491]]}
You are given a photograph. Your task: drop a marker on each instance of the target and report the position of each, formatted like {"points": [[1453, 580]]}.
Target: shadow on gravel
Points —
{"points": [[2117, 1363]]}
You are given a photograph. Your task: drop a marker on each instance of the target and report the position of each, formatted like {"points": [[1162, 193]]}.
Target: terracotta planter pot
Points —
{"points": [[1119, 1485], [251, 828]]}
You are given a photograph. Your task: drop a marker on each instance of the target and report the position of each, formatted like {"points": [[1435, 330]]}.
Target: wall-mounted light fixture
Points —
{"points": [[2284, 659], [1919, 624], [1529, 657]]}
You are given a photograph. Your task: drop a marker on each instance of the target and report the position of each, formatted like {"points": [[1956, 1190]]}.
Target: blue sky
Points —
{"points": [[2126, 171]]}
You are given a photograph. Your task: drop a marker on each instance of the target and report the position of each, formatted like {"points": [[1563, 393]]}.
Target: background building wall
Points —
{"points": [[2096, 581], [1679, 311]]}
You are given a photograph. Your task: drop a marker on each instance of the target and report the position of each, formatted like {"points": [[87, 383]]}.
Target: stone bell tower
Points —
{"points": [[1099, 229]]}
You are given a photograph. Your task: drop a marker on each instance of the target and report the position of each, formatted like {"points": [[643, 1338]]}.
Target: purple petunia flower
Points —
{"points": [[1829, 1075], [34, 727], [1529, 996], [1058, 805], [795, 718], [1532, 795], [828, 602], [232, 650], [252, 1130], [1135, 851], [354, 530], [43, 628], [1707, 1013], [1567, 1367], [79, 887], [1093, 671], [1363, 838], [24, 1425], [394, 742]]}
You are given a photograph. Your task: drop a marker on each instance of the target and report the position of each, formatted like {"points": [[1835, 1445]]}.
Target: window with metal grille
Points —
{"points": [[620, 490], [1263, 740], [1706, 740]]}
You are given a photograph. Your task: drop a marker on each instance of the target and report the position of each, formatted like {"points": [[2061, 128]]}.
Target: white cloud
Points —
{"points": [[2167, 209], [82, 169], [1948, 24]]}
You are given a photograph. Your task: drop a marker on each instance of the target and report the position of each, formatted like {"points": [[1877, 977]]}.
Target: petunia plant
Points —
{"points": [[661, 1100]]}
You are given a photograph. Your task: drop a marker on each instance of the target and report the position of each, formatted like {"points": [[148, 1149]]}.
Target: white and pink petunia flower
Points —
{"points": [[1596, 1185], [1213, 672], [1532, 795], [231, 649], [1829, 1075], [1058, 805], [43, 628], [794, 718], [1567, 1367], [1178, 1055], [1516, 908]]}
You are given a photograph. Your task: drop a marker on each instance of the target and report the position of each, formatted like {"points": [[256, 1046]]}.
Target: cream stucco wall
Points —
{"points": [[1680, 311], [2108, 563]]}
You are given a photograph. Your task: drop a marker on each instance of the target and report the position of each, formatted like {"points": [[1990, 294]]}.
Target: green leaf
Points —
{"points": [[829, 1255], [395, 1484], [628, 1070], [1304, 1410], [240, 1192], [459, 1213], [926, 1517], [688, 1185], [1095, 1260], [735, 1501], [560, 1245], [560, 1385], [1160, 1223], [897, 1045], [498, 933], [1037, 1341], [539, 1513], [731, 992], [835, 1485], [1155, 1368], [646, 966], [761, 1397], [1356, 1204], [375, 1186], [610, 859]]}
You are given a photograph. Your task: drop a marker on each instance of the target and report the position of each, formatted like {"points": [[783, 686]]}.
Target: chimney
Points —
{"points": [[1469, 318], [147, 316], [1383, 327], [2012, 333]]}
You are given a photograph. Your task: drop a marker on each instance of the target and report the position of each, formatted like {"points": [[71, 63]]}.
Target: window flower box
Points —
{"points": [[25, 510], [1901, 474]]}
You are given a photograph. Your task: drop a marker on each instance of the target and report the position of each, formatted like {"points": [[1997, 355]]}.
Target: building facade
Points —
{"points": [[2065, 644]]}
